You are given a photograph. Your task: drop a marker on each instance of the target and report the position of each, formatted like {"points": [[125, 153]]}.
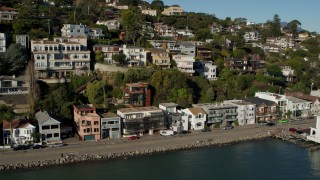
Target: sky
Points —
{"points": [[258, 11]]}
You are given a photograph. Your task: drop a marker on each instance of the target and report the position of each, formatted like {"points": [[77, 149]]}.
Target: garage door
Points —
{"points": [[89, 137]]}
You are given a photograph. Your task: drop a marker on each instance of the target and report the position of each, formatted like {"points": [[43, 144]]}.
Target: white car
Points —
{"points": [[166, 133]]}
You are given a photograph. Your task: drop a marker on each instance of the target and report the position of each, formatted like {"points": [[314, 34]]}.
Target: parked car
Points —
{"points": [[36, 146], [283, 121], [166, 133], [205, 130], [263, 123], [133, 137], [293, 130], [270, 124], [184, 132], [228, 127], [20, 147], [56, 145]]}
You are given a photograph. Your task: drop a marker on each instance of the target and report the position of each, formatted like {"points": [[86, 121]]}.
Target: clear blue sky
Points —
{"points": [[305, 11]]}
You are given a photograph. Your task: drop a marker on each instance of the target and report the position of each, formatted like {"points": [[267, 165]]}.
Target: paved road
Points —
{"points": [[145, 142]]}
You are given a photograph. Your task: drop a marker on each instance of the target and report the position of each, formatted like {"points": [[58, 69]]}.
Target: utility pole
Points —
{"points": [[49, 26]]}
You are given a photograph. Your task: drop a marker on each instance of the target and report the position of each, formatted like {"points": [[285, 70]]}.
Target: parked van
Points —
{"points": [[166, 133]]}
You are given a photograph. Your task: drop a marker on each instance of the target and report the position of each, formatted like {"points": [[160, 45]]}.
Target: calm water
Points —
{"points": [[269, 159]]}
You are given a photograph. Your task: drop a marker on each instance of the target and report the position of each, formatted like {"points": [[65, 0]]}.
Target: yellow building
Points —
{"points": [[159, 57], [172, 10]]}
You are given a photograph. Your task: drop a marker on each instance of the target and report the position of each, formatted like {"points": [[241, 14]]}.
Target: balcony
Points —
{"points": [[231, 114]]}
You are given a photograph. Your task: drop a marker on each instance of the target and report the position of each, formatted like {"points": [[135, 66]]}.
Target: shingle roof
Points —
{"points": [[43, 116], [258, 101], [196, 111]]}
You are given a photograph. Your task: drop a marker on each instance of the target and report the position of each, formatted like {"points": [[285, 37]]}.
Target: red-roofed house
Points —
{"points": [[21, 132], [7, 14]]}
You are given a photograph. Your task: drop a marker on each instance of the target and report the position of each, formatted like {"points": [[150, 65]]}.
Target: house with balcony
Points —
{"points": [[75, 30], [218, 113], [265, 110], [49, 128], [22, 132], [196, 117], [252, 36], [137, 94], [289, 74], [280, 100], [141, 120], [185, 32], [159, 57], [206, 68], [108, 51], [10, 85], [246, 111], [113, 24], [298, 107], [3, 43], [187, 48], [164, 30], [203, 53], [87, 122], [136, 56], [174, 10], [7, 14], [110, 126], [149, 12], [176, 121], [314, 100], [245, 65], [315, 132], [184, 63], [61, 57]]}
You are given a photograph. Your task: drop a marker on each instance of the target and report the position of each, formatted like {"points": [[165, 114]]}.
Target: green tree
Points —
{"points": [[293, 26], [132, 20], [119, 58], [275, 28], [7, 113], [99, 56], [239, 53], [96, 92], [15, 59]]}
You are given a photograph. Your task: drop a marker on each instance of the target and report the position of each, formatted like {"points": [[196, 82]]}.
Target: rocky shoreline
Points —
{"points": [[71, 158]]}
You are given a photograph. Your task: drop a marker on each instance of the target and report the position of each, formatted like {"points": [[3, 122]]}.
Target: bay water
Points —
{"points": [[266, 159]]}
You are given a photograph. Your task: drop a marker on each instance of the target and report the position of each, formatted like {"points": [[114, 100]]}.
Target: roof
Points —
{"points": [[169, 105], [139, 109], [156, 50], [16, 123], [7, 9], [43, 117], [196, 111], [258, 101], [296, 100], [303, 96], [109, 115], [14, 99], [84, 106]]}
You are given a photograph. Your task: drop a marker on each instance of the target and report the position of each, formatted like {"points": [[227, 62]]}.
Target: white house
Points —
{"points": [[209, 70], [136, 56], [21, 132], [75, 30], [251, 36], [298, 107], [246, 111], [184, 63], [185, 32], [176, 120], [111, 24], [196, 117], [2, 42], [281, 100], [315, 132], [149, 12], [49, 128], [289, 73]]}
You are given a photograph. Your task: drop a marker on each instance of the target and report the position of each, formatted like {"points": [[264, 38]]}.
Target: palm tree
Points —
{"points": [[7, 113]]}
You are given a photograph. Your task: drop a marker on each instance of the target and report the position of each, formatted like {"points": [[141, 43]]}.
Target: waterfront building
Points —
{"points": [[281, 100], [136, 56], [196, 117], [10, 85], [141, 120], [108, 51], [266, 111], [298, 107], [49, 128], [246, 111], [174, 10], [110, 126], [314, 100], [159, 57], [7, 14], [60, 57], [218, 113], [3, 43], [22, 132], [87, 122], [315, 132], [137, 94], [184, 63], [175, 120]]}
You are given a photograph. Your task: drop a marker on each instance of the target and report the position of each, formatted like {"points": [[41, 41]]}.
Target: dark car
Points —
{"points": [[270, 124], [20, 147], [205, 130], [184, 132], [228, 127], [133, 138], [36, 146]]}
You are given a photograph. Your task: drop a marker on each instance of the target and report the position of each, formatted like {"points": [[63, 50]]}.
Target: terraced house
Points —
{"points": [[61, 57]]}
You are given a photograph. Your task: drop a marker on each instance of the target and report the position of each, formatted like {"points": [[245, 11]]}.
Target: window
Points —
{"points": [[49, 135], [96, 122], [45, 127], [96, 129], [54, 126], [56, 134]]}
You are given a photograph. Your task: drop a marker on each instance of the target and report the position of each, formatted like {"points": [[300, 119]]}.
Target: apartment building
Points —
{"points": [[137, 94], [136, 56], [61, 57], [7, 14], [110, 126], [176, 121], [75, 30], [10, 85], [184, 63], [108, 51], [172, 10], [159, 57], [87, 122], [141, 120], [246, 111]]}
